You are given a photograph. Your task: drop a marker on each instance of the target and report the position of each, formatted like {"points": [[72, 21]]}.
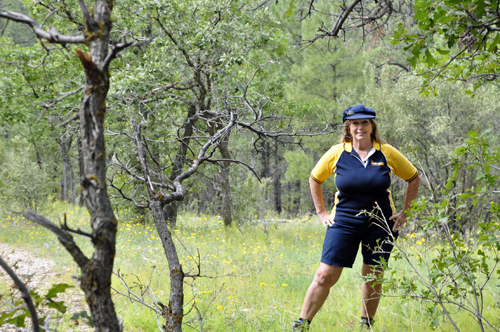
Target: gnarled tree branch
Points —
{"points": [[64, 237], [52, 35]]}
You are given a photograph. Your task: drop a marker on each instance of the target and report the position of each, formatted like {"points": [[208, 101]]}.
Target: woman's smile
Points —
{"points": [[361, 128]]}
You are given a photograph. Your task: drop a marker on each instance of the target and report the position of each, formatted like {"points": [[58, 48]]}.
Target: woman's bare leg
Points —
{"points": [[318, 291], [370, 293]]}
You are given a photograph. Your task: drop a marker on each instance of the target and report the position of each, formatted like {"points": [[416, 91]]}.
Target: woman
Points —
{"points": [[363, 164]]}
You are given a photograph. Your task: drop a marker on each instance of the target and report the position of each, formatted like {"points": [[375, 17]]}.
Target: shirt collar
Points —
{"points": [[348, 146]]}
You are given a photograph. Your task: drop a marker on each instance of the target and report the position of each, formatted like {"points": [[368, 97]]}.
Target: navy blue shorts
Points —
{"points": [[342, 242]]}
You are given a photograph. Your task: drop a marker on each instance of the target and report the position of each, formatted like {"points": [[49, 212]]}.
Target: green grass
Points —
{"points": [[259, 274]]}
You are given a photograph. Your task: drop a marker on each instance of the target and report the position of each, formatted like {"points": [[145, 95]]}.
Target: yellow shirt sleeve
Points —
{"points": [[398, 163], [327, 164]]}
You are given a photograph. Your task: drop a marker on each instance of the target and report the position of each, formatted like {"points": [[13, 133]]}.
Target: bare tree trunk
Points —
{"points": [[173, 313], [96, 275], [81, 166], [265, 173], [227, 202], [71, 182], [296, 199], [170, 212], [277, 181], [67, 185], [64, 179]]}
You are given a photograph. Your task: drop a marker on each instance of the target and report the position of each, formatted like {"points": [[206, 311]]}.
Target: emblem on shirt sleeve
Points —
{"points": [[380, 163]]}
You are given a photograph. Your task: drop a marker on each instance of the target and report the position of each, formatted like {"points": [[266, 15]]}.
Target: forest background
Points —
{"points": [[215, 115]]}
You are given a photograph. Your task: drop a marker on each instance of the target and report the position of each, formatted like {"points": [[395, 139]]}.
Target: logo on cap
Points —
{"points": [[349, 113]]}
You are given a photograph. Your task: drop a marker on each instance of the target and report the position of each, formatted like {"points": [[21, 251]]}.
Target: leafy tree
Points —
{"points": [[202, 61], [456, 40], [96, 271]]}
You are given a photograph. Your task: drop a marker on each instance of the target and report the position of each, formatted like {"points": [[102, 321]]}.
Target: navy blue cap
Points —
{"points": [[358, 112]]}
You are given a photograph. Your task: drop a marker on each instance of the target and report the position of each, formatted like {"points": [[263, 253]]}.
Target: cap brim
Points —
{"points": [[360, 116]]}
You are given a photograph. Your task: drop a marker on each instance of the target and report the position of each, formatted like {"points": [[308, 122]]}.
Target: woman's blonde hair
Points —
{"points": [[346, 137]]}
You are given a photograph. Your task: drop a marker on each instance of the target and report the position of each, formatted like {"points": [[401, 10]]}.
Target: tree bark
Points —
{"points": [[96, 275], [81, 166], [67, 185], [173, 313], [277, 181], [71, 180], [296, 199], [227, 201], [64, 179], [265, 173], [170, 212]]}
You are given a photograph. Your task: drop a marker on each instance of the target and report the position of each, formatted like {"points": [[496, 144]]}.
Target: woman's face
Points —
{"points": [[361, 129]]}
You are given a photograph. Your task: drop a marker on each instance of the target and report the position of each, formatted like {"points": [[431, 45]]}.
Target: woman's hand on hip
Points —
{"points": [[325, 219], [399, 220]]}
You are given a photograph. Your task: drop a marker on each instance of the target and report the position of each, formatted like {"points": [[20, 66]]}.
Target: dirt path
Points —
{"points": [[40, 274]]}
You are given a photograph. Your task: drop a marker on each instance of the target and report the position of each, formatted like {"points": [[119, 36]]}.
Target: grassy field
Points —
{"points": [[257, 274]]}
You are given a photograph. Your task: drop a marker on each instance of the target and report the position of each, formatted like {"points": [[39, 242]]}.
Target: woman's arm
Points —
{"points": [[319, 204], [411, 193]]}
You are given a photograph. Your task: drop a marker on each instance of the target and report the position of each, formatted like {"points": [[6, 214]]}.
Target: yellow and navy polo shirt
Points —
{"points": [[359, 185]]}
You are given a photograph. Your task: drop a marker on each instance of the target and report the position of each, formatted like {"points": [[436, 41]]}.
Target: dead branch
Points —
{"points": [[73, 118], [138, 177], [338, 24], [55, 101], [25, 294], [52, 35], [78, 231], [236, 162], [114, 50], [64, 237], [124, 196], [132, 296]]}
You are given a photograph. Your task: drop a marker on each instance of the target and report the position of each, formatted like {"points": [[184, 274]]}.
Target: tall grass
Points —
{"points": [[256, 274]]}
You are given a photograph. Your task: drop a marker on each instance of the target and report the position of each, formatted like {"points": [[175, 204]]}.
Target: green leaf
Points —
{"points": [[6, 316], [429, 58], [289, 12], [59, 306], [443, 52], [421, 15], [18, 320], [494, 44], [56, 289]]}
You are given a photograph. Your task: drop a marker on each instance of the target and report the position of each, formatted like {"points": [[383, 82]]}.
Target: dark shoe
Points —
{"points": [[300, 326], [366, 324]]}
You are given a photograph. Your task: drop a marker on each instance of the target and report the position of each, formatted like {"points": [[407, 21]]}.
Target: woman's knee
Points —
{"points": [[327, 277]]}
